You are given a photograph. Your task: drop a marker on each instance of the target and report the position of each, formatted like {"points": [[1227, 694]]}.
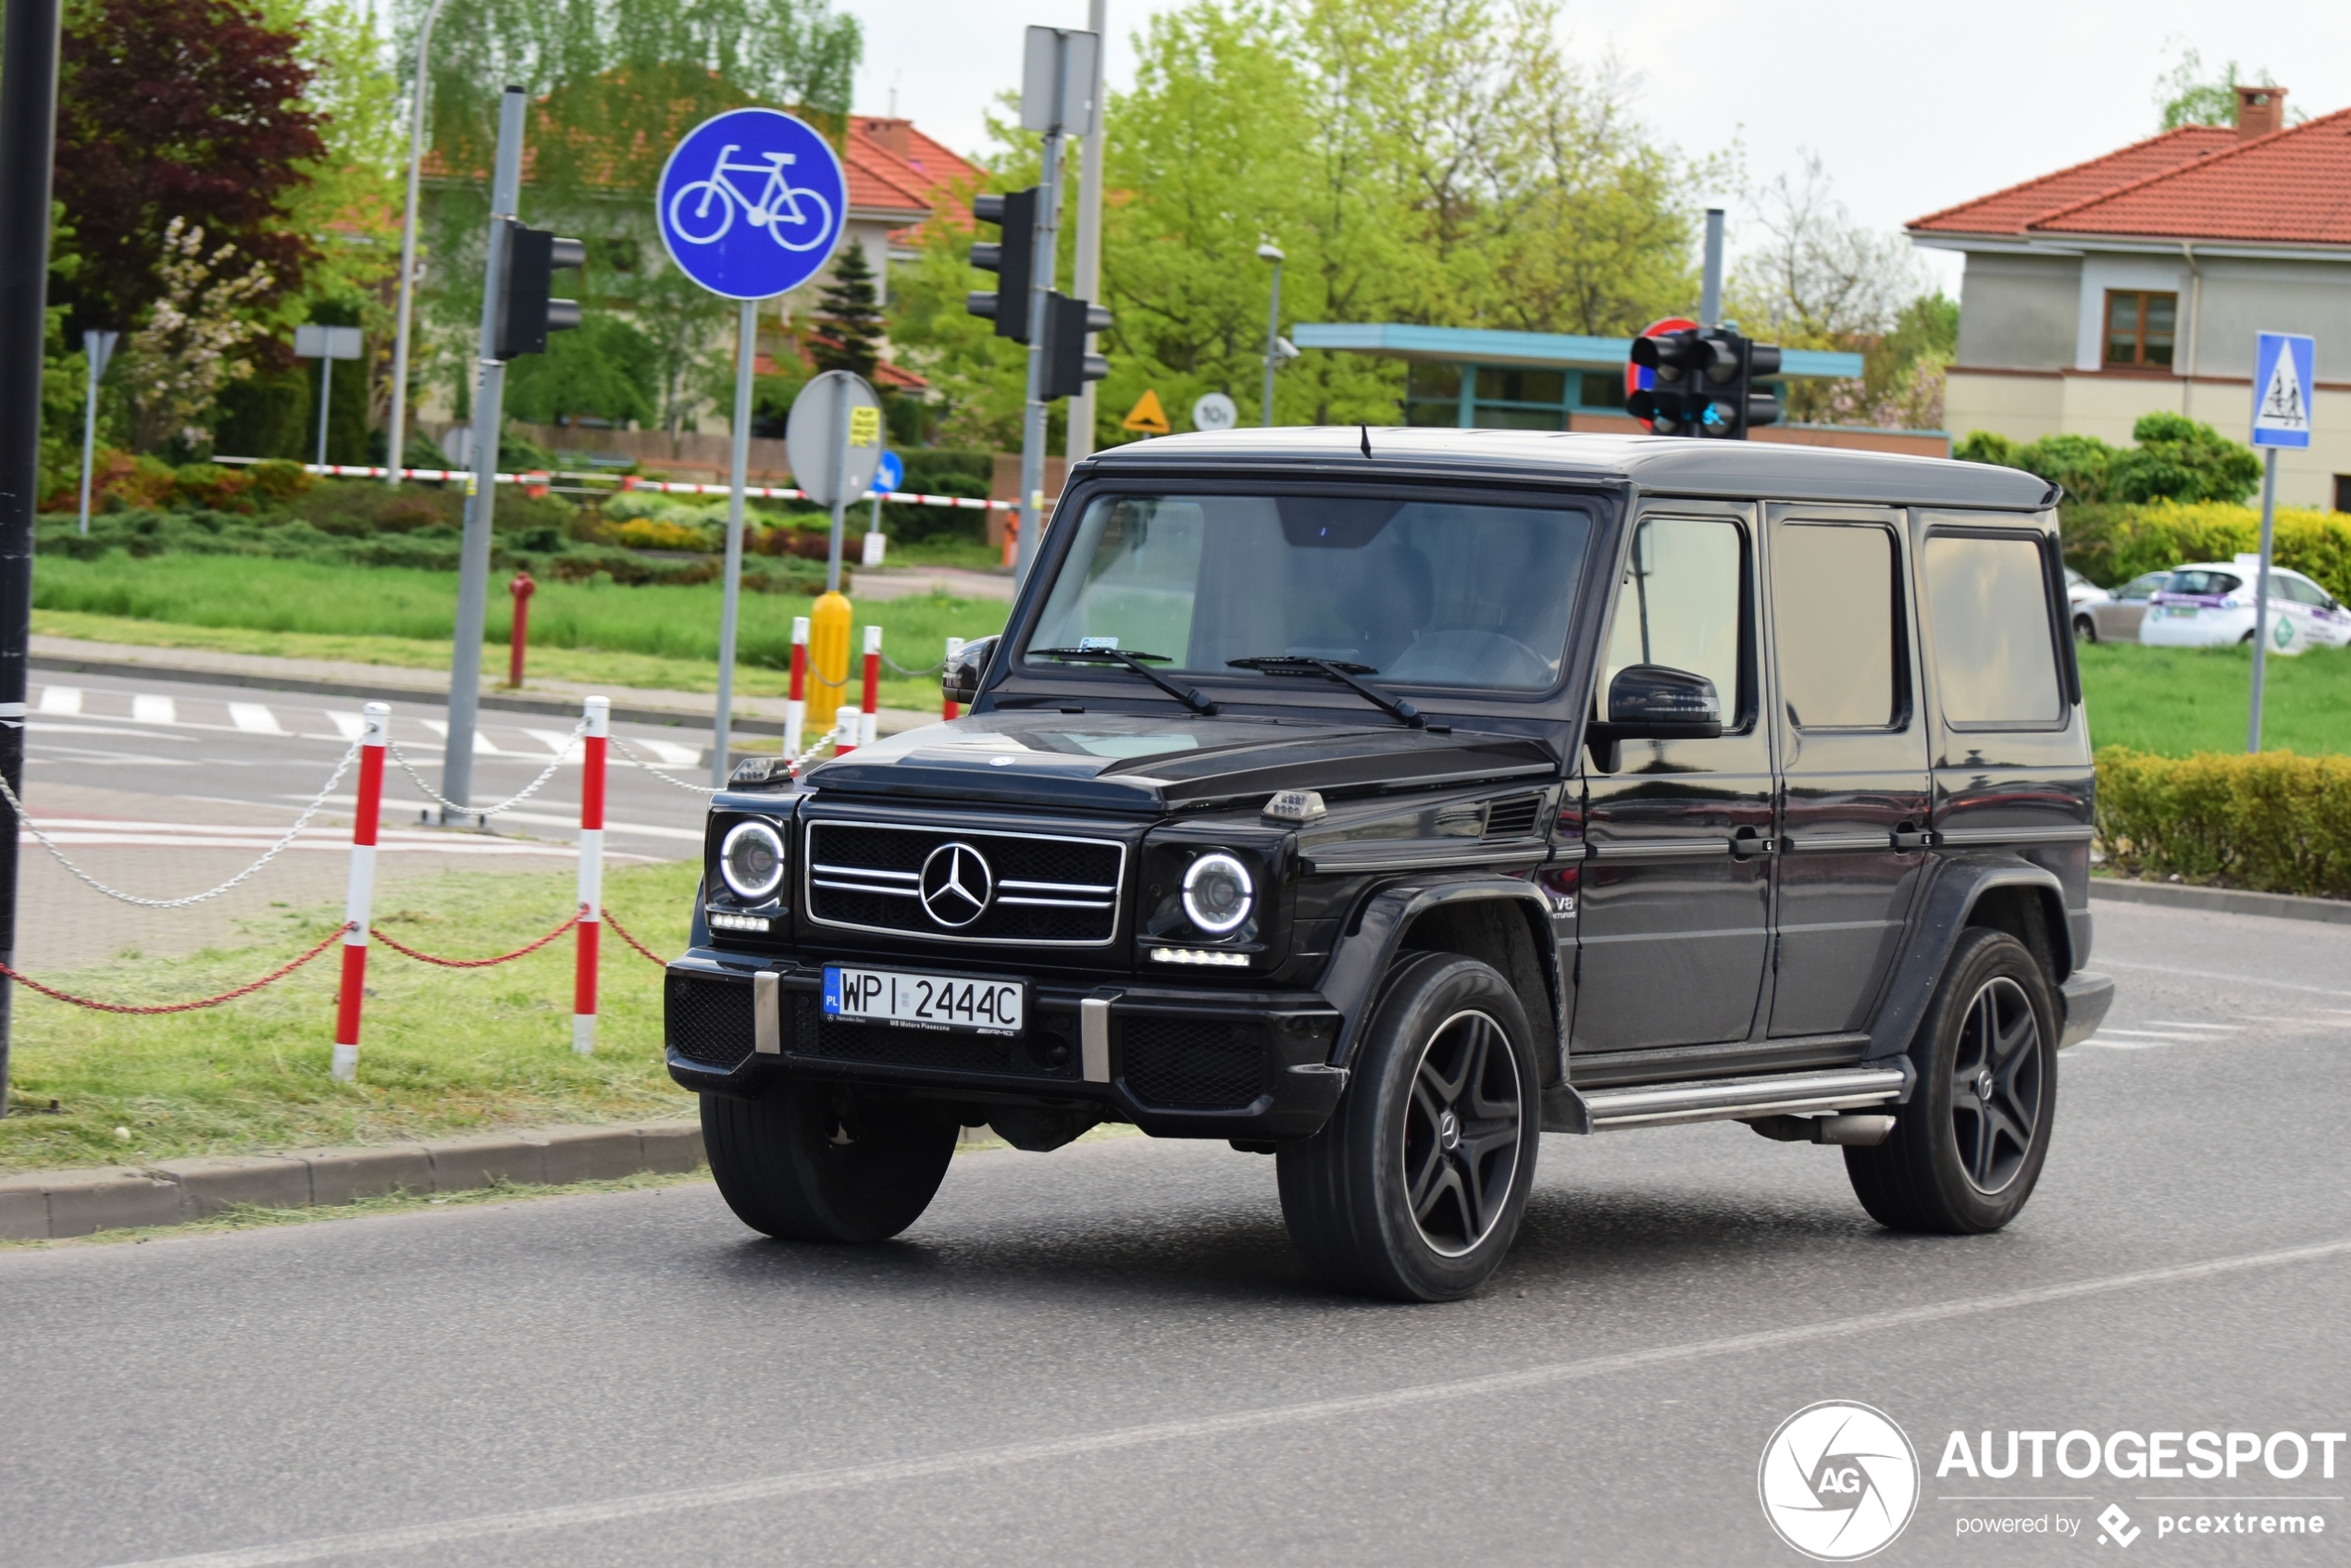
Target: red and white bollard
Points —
{"points": [[796, 704], [861, 730], [591, 874], [949, 707], [361, 895]]}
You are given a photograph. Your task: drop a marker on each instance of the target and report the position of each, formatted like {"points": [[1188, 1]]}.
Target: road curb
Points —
{"points": [[49, 1205], [2221, 900]]}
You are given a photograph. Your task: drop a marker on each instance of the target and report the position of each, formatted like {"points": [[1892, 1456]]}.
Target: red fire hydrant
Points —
{"points": [[522, 588]]}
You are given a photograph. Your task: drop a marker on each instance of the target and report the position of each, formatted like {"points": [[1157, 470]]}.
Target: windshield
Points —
{"points": [[1414, 593]]}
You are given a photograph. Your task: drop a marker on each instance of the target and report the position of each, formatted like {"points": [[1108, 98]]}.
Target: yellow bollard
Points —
{"points": [[828, 662]]}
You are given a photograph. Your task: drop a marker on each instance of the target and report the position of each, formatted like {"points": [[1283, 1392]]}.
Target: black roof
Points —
{"points": [[1658, 465]]}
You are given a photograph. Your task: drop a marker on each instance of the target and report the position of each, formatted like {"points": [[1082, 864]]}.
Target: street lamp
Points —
{"points": [[1273, 327], [399, 431]]}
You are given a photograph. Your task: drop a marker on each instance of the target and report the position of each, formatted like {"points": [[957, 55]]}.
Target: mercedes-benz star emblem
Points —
{"points": [[956, 884]]}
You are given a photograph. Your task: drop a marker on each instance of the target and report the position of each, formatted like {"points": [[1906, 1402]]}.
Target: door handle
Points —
{"points": [[1912, 839], [1745, 844]]}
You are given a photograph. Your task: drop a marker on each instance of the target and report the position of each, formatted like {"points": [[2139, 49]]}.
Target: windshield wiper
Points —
{"points": [[1340, 671], [1186, 695]]}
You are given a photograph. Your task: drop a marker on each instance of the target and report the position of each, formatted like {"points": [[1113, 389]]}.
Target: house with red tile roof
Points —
{"points": [[2136, 281]]}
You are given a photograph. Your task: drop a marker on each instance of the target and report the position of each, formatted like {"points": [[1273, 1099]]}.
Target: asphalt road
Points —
{"points": [[1111, 1356]]}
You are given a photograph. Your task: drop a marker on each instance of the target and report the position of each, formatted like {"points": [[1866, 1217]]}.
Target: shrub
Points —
{"points": [[660, 533], [2113, 543], [278, 481], [2180, 459], [2274, 822], [213, 487]]}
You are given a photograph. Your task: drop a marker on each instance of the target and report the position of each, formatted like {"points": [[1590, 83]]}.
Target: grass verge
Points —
{"points": [[2176, 702], [441, 1052]]}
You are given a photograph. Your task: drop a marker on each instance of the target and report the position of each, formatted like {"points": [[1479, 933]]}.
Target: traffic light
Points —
{"points": [[1009, 258], [1702, 384], [526, 308], [1067, 364]]}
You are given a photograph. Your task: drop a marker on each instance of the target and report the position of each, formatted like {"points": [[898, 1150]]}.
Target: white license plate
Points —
{"points": [[924, 1001]]}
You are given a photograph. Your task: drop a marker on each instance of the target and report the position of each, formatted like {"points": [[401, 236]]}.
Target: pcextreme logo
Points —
{"points": [[1838, 1481]]}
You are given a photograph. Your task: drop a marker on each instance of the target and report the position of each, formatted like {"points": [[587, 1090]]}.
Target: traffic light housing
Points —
{"points": [[527, 309], [1702, 384], [1067, 364], [1009, 258]]}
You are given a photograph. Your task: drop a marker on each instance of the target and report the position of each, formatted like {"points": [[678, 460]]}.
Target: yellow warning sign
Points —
{"points": [[1147, 416], [865, 424]]}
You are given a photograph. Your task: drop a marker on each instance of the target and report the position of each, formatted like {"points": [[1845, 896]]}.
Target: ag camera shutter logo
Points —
{"points": [[1838, 1481]]}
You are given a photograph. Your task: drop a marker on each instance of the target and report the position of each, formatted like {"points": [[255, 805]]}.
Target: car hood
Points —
{"points": [[1143, 763]]}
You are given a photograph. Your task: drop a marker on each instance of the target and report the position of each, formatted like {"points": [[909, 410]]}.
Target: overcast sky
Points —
{"points": [[1911, 106]]}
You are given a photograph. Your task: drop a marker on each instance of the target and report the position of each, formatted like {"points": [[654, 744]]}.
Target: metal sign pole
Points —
{"points": [[96, 349], [837, 481], [28, 147], [1085, 266], [473, 559], [1041, 267], [1709, 302], [326, 397], [2261, 593], [746, 353]]}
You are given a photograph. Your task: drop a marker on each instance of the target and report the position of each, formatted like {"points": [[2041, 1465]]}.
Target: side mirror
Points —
{"points": [[1653, 702], [958, 677]]}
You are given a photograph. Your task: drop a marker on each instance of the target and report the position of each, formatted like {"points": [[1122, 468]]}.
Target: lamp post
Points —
{"points": [[1272, 326], [399, 431]]}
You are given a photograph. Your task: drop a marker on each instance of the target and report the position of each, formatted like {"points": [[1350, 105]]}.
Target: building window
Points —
{"points": [[2342, 492], [1602, 392], [1433, 395], [2140, 328]]}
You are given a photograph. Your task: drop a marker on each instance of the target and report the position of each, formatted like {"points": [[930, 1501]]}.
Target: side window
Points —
{"points": [[1838, 625], [1994, 652], [2296, 589], [2140, 586], [1683, 603]]}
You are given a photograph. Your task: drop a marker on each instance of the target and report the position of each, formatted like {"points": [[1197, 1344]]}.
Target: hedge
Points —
{"points": [[2274, 822], [2112, 544]]}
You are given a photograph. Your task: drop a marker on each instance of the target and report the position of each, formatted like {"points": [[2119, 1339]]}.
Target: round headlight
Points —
{"points": [[1217, 893], [751, 858]]}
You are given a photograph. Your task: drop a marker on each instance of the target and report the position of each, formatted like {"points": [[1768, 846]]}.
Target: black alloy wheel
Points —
{"points": [[1969, 1144], [1414, 1187], [1996, 1085], [1461, 1133]]}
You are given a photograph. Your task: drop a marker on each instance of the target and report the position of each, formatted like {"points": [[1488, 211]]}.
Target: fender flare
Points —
{"points": [[1361, 959], [1960, 883]]}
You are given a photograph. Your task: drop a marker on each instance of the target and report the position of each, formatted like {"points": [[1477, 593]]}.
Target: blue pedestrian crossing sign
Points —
{"points": [[751, 204], [2283, 374]]}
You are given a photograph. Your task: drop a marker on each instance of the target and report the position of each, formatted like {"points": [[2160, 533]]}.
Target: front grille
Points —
{"points": [[1512, 819], [1191, 1063], [1050, 891], [708, 1021], [1049, 1049]]}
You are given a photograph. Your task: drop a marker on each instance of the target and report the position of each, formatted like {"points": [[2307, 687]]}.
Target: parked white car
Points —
{"points": [[2210, 605]]}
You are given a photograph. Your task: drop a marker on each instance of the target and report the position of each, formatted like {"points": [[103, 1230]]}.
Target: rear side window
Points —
{"points": [[1836, 624], [1994, 649], [2203, 583]]}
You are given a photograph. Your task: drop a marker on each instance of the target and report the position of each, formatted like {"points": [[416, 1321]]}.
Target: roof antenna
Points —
{"points": [[1367, 439]]}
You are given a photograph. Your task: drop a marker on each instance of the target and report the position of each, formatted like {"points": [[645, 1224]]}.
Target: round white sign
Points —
{"points": [[1838, 1481], [1214, 411], [836, 423]]}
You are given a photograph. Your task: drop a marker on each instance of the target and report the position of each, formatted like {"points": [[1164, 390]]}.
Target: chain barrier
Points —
{"points": [[247, 989], [272, 853], [630, 753], [510, 801], [840, 685], [927, 669], [375, 934], [826, 739], [622, 932]]}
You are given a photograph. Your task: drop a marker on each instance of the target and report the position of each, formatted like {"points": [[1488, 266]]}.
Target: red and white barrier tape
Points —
{"points": [[629, 482]]}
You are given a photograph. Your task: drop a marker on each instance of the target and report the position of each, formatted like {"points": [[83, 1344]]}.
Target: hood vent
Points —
{"points": [[1513, 818]]}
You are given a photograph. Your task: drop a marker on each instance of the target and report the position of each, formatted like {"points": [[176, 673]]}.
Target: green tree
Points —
{"points": [[848, 317], [2186, 96], [606, 370]]}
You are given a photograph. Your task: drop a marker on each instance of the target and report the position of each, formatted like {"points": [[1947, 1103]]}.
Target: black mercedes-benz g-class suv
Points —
{"points": [[1381, 800]]}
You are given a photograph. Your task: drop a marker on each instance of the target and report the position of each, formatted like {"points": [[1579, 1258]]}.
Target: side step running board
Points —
{"points": [[1720, 1099]]}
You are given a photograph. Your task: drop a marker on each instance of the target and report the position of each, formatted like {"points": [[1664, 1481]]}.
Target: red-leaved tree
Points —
{"points": [[166, 109]]}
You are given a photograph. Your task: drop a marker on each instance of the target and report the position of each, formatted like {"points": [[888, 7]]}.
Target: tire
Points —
{"points": [[1969, 1147], [1442, 1108], [814, 1163], [2085, 629]]}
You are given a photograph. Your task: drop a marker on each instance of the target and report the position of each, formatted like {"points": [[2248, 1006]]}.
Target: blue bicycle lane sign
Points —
{"points": [[751, 204]]}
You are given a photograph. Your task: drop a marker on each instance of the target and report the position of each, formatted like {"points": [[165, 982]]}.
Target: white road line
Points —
{"points": [[147, 709], [562, 742], [2156, 1034], [2216, 974], [2121, 1044], [61, 699], [2190, 1024], [769, 1488], [483, 746], [253, 718], [671, 753], [349, 726]]}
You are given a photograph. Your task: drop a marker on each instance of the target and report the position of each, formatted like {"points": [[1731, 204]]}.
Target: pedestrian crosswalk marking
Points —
{"points": [[483, 744], [61, 699], [349, 726], [253, 718], [671, 753], [154, 710], [562, 743]]}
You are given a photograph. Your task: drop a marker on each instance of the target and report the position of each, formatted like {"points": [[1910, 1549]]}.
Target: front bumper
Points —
{"points": [[2085, 996], [1178, 1063]]}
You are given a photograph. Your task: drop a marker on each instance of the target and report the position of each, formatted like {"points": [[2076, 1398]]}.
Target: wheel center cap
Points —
{"points": [[1984, 1084], [1448, 1130]]}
